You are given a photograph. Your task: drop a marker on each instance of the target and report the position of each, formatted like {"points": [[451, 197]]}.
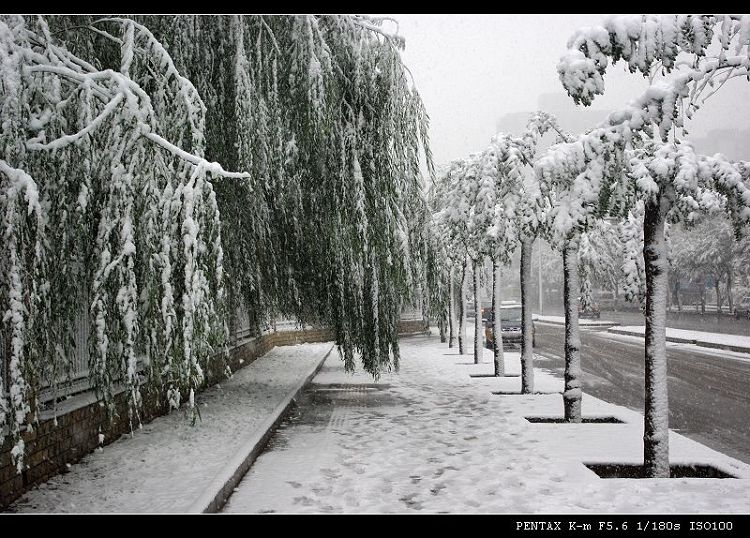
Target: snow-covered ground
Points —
{"points": [[583, 322], [167, 464], [710, 351], [428, 438], [695, 337], [434, 439]]}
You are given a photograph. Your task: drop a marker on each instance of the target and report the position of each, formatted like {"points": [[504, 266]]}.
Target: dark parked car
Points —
{"points": [[510, 321], [742, 310]]}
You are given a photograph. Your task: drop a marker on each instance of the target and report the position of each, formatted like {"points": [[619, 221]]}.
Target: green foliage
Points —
{"points": [[320, 112], [110, 210]]}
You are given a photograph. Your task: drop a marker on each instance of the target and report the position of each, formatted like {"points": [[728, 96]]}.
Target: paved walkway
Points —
{"points": [[168, 464], [432, 438]]}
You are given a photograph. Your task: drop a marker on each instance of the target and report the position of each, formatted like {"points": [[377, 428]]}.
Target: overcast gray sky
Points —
{"points": [[473, 69]]}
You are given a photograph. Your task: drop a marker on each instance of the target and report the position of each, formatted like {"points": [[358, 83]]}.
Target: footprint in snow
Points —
{"points": [[330, 473], [323, 491], [304, 501], [409, 501]]}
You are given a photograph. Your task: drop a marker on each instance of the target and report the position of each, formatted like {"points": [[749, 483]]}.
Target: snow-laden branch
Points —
{"points": [[644, 40], [212, 167], [365, 22], [126, 89], [66, 140], [20, 181]]}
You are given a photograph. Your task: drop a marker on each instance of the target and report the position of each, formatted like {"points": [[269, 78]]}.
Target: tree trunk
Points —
{"points": [[451, 309], [656, 417], [441, 326], [717, 283], [497, 328], [730, 300], [669, 298], [478, 334], [527, 352], [462, 312], [572, 290]]}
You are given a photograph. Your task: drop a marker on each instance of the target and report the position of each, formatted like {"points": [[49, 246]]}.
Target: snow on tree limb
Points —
{"points": [[100, 175], [648, 42]]}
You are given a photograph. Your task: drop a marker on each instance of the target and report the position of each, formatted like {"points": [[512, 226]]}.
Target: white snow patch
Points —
{"points": [[168, 464], [698, 337]]}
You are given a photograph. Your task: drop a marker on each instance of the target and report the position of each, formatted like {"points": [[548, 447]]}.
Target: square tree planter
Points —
{"points": [[628, 470]]}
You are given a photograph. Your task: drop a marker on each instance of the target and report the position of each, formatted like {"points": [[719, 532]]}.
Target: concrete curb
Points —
{"points": [[678, 340], [216, 494]]}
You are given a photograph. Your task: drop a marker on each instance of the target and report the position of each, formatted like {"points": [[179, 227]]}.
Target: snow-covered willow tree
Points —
{"points": [[531, 214], [631, 159], [482, 189], [572, 221], [502, 163], [454, 200], [601, 257], [437, 269], [444, 255], [108, 208], [321, 113], [492, 203], [112, 197]]}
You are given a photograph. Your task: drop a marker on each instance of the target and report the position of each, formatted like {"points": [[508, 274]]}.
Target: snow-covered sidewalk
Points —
{"points": [[432, 438], [730, 342], [169, 464]]}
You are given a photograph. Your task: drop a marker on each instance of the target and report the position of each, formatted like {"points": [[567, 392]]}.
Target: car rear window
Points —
{"points": [[510, 314]]}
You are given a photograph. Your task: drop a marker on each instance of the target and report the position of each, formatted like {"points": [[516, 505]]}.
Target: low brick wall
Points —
{"points": [[50, 448]]}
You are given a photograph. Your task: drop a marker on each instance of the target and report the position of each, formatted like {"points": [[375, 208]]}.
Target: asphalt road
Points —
{"points": [[709, 391]]}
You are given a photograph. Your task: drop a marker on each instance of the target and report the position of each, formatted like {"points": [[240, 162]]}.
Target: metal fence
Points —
{"points": [[75, 379], [239, 326]]}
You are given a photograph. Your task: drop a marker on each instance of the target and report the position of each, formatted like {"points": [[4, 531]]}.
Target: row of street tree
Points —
{"points": [[622, 183]]}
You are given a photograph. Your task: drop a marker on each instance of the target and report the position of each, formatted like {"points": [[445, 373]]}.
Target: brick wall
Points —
{"points": [[50, 448]]}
